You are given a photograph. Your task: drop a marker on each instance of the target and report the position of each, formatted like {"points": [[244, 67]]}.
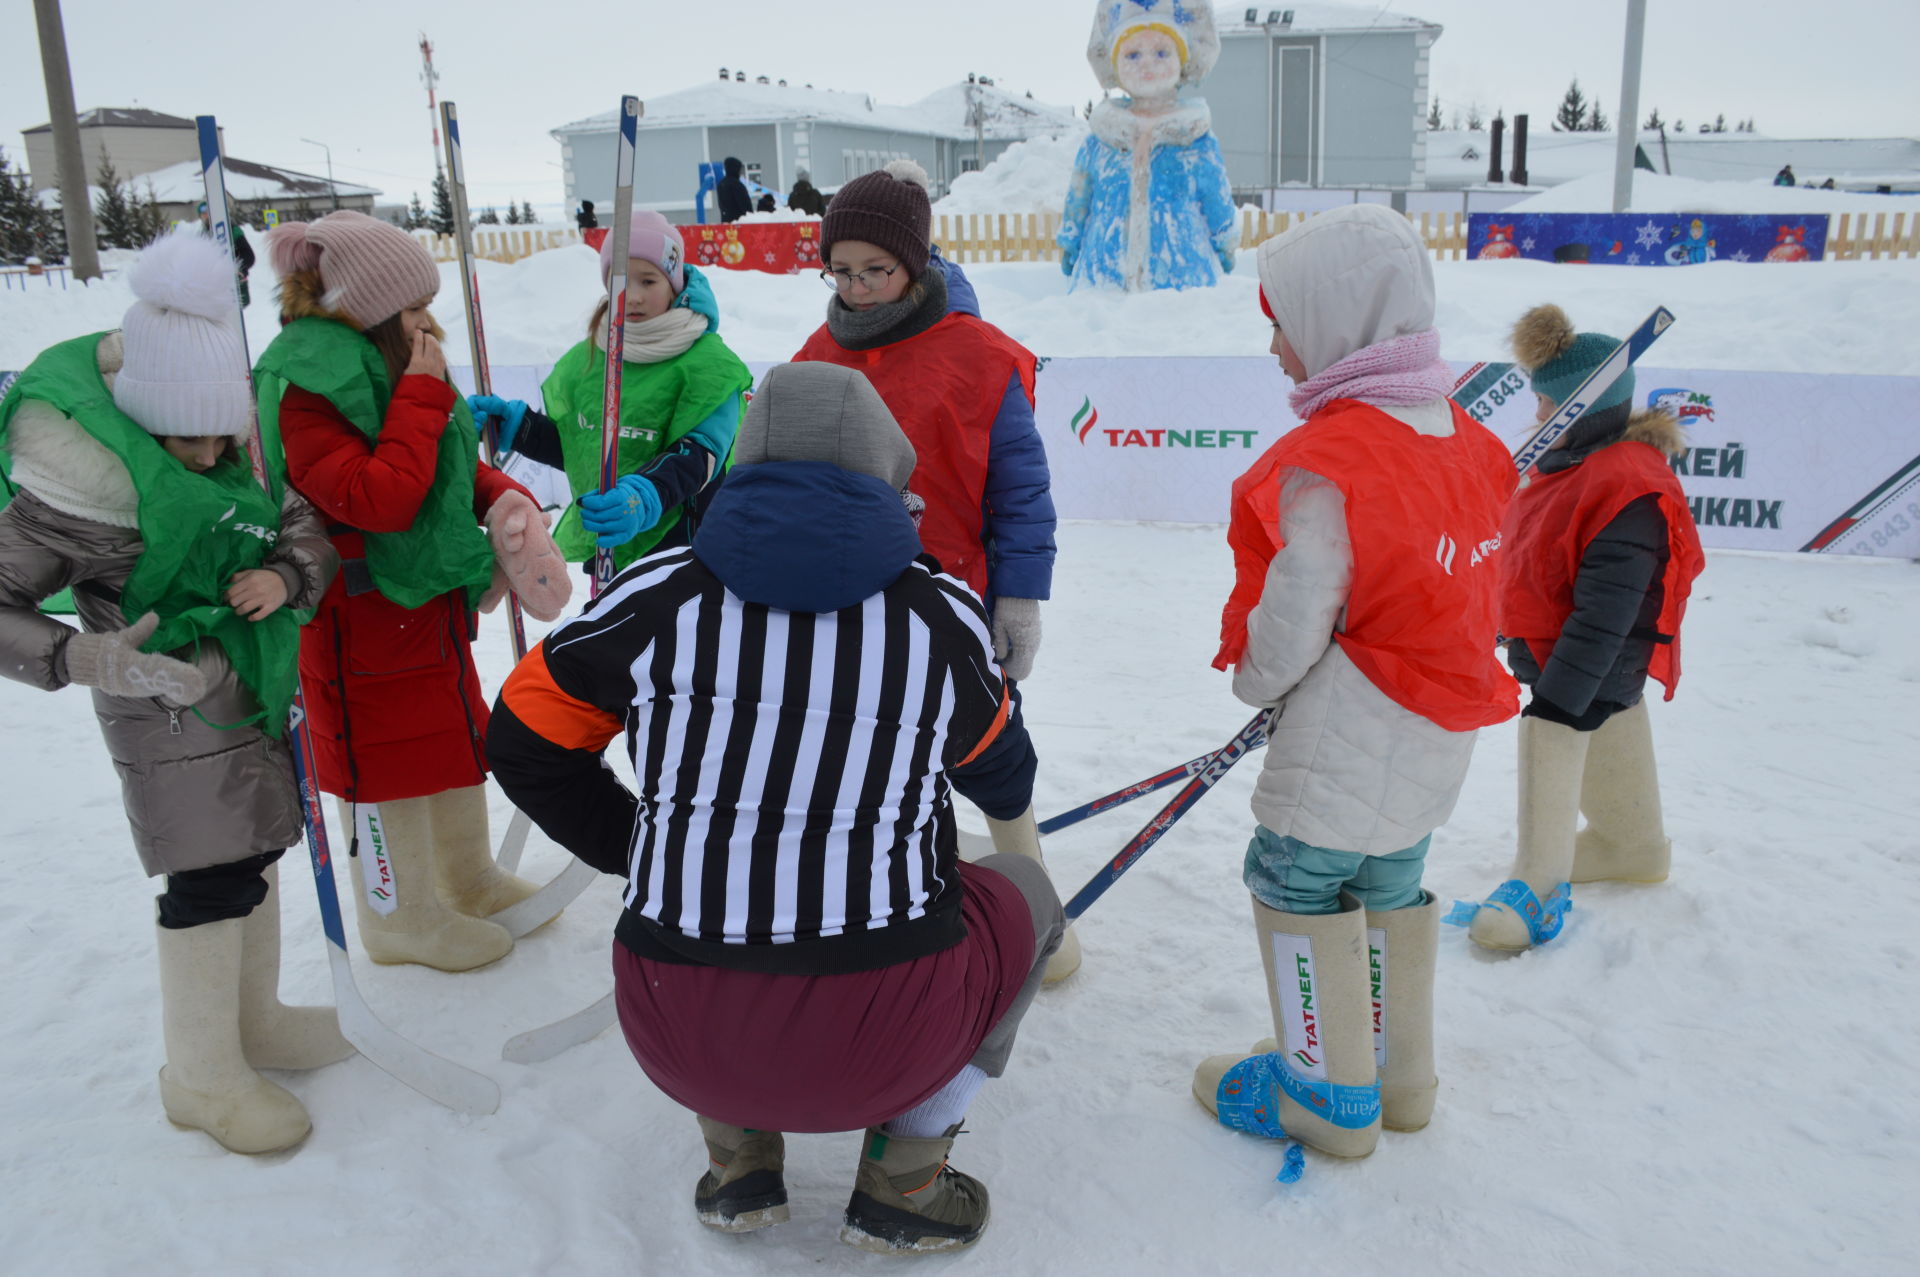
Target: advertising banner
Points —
{"points": [[1648, 239]]}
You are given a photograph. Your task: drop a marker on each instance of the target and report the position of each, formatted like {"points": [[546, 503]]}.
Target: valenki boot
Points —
{"points": [[207, 1083], [906, 1199], [1401, 947], [1320, 1085], [273, 1035], [1625, 840], [464, 872], [744, 1187], [1530, 906], [1021, 836], [401, 916]]}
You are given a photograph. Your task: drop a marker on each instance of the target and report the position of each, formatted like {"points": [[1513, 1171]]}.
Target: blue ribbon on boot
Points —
{"points": [[1245, 1100], [1544, 918]]}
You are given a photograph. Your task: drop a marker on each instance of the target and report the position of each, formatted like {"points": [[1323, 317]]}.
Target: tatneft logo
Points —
{"points": [[1309, 1022], [1088, 417], [1448, 549], [269, 535]]}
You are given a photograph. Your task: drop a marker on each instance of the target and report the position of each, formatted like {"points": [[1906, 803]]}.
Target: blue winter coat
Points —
{"points": [[1189, 204]]}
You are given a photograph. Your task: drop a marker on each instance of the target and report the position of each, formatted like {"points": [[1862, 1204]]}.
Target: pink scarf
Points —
{"points": [[1393, 373]]}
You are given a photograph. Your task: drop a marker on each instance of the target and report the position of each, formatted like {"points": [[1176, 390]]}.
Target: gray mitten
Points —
{"points": [[115, 664], [1016, 635]]}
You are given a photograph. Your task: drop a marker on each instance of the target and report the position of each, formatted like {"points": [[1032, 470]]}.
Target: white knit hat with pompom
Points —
{"points": [[186, 362]]}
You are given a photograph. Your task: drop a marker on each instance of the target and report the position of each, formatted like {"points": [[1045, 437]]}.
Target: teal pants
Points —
{"points": [[1297, 877]]}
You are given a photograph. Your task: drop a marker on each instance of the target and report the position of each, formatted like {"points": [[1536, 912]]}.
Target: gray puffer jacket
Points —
{"points": [[195, 795]]}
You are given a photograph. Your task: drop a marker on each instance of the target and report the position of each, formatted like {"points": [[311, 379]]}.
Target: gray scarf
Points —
{"points": [[924, 305]]}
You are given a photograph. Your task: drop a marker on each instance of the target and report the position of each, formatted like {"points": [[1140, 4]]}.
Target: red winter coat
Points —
{"points": [[393, 702]]}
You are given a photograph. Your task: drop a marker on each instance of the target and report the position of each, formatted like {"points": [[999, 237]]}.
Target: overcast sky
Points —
{"points": [[347, 73]]}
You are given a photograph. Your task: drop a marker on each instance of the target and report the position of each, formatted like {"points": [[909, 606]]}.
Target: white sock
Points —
{"points": [[941, 1110]]}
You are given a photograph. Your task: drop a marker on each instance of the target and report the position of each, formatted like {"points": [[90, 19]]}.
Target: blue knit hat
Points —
{"points": [[1558, 359]]}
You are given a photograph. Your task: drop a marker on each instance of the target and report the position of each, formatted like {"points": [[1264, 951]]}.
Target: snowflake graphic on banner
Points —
{"points": [[1742, 256], [1633, 259], [1648, 236]]}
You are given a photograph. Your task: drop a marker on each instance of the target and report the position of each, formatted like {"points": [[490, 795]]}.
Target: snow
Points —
{"points": [[1658, 193], [1028, 177], [1700, 1077]]}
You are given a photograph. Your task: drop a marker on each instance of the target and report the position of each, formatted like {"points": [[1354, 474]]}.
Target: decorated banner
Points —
{"points": [[779, 248], [1648, 239], [1776, 461]]}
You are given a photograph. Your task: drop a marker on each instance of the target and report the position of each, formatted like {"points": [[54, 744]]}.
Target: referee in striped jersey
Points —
{"points": [[801, 949]]}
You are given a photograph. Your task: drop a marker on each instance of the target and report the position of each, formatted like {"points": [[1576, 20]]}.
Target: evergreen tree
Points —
{"points": [[1474, 123], [526, 213], [1653, 119], [513, 213], [1719, 124], [113, 213], [416, 215], [441, 219], [149, 224], [27, 229], [1572, 115], [1433, 113], [1597, 122], [488, 217]]}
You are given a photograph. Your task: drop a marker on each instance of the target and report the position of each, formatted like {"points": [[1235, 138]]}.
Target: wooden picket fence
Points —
{"points": [[1029, 237]]}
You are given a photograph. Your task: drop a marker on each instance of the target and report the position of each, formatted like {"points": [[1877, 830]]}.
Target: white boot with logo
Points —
{"points": [[1625, 839], [401, 916], [464, 871], [1320, 1085], [1401, 947], [1552, 757], [1021, 836], [274, 1035]]}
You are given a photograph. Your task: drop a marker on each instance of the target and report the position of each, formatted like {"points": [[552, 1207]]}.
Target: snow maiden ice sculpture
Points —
{"points": [[1149, 206]]}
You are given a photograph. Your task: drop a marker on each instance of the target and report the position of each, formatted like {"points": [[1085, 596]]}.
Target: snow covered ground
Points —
{"points": [[1709, 1076]]}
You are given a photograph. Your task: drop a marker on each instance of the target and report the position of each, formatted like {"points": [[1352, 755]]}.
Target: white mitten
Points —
{"points": [[115, 664], [1016, 635]]}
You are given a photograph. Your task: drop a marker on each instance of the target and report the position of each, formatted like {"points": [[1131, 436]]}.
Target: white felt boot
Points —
{"points": [[1552, 758], [1625, 839], [464, 871], [1402, 944], [1021, 836], [1320, 993], [401, 916], [207, 1083], [274, 1035]]}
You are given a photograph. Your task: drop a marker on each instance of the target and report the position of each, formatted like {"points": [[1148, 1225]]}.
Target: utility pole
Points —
{"points": [[431, 77], [83, 255], [331, 188], [1628, 111]]}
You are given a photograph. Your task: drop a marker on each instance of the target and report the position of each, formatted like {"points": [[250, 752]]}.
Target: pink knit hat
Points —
{"points": [[651, 239], [371, 270]]}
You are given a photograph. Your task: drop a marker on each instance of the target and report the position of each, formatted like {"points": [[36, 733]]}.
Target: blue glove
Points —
{"points": [[511, 412], [619, 516]]}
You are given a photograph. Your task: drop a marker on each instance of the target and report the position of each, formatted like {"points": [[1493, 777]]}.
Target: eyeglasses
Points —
{"points": [[872, 280]]}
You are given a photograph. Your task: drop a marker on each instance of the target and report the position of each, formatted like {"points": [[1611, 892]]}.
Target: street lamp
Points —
{"points": [[331, 188]]}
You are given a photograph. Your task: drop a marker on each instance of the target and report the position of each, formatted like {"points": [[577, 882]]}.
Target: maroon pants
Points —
{"points": [[830, 1052]]}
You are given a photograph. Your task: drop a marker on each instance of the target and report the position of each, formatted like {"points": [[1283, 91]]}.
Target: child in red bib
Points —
{"points": [[1364, 614], [1599, 555]]}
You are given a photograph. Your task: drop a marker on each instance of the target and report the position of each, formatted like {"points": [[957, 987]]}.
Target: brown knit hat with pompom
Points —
{"points": [[888, 209]]}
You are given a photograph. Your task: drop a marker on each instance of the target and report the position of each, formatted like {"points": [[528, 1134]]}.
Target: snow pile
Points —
{"points": [[1028, 177], [1658, 193]]}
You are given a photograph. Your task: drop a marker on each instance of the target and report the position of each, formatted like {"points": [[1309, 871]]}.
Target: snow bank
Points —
{"points": [[1658, 193], [1028, 177]]}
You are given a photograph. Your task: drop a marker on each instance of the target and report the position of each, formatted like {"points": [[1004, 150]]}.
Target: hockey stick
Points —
{"points": [[441, 1080], [1624, 356], [541, 1044], [616, 318]]}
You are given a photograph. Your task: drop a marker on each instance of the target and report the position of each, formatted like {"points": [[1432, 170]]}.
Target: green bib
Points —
{"points": [[660, 404], [196, 531], [445, 549]]}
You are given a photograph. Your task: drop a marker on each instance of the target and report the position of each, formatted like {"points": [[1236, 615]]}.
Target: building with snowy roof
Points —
{"points": [[776, 130], [150, 148]]}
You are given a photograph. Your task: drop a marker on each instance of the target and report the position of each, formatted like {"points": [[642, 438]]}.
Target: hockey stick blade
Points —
{"points": [[536, 1046], [514, 845], [544, 905], [440, 1080]]}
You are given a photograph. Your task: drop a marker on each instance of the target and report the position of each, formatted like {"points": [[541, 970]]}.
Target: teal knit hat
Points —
{"points": [[1558, 359]]}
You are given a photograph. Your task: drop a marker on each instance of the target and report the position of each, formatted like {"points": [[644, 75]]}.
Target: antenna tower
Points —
{"points": [[431, 77]]}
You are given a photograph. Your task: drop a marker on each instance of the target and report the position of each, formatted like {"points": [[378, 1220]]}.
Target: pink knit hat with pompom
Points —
{"points": [[370, 270]]}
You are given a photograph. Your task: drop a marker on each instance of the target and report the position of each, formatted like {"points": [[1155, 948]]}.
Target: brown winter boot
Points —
{"points": [[907, 1200], [744, 1187]]}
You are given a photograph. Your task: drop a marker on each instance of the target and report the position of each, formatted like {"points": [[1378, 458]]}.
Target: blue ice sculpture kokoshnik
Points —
{"points": [[1150, 205]]}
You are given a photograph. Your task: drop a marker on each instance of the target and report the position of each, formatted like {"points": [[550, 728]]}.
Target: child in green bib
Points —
{"points": [[682, 394]]}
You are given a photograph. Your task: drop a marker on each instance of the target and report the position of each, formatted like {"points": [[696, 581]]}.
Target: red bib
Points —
{"points": [[1552, 520], [944, 387], [1423, 515]]}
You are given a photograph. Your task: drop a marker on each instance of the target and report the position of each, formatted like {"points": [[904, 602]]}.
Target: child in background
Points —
{"points": [[1599, 553], [131, 489], [1375, 651], [375, 436], [682, 393], [962, 390]]}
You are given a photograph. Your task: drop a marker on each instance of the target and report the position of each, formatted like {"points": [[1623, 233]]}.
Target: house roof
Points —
{"points": [[184, 183], [122, 117], [1317, 19], [944, 113]]}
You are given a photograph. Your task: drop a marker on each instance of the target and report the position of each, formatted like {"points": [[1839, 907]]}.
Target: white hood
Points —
{"points": [[1346, 279]]}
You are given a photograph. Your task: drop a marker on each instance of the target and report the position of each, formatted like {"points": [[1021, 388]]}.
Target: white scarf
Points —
{"points": [[656, 340]]}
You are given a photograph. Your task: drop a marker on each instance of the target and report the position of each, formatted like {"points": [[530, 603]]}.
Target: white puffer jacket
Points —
{"points": [[1346, 768]]}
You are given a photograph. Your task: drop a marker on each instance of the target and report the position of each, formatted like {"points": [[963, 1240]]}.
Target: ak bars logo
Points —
{"points": [[1086, 427]]}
